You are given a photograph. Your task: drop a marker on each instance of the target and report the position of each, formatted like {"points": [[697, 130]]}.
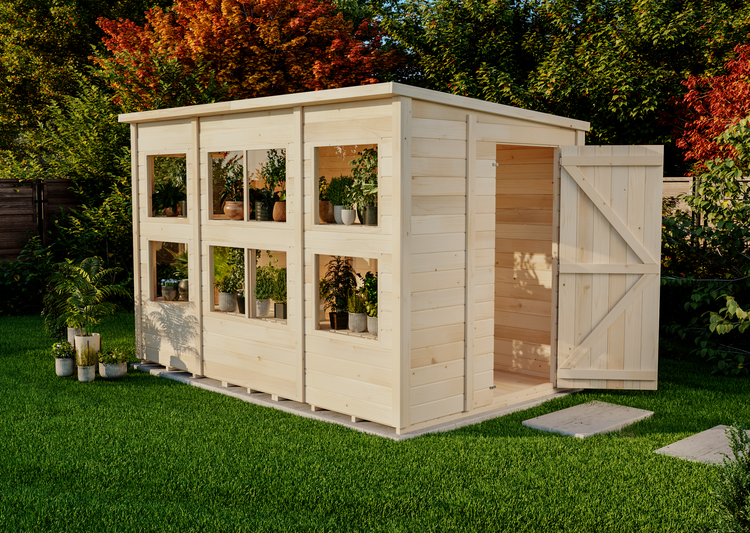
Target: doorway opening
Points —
{"points": [[523, 273]]}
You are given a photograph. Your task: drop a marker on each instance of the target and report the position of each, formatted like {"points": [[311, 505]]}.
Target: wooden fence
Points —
{"points": [[27, 209]]}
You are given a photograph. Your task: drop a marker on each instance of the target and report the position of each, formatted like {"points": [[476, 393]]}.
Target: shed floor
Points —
{"points": [[303, 409], [511, 387]]}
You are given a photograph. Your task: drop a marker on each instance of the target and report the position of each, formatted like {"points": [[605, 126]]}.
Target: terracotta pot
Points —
{"points": [[279, 211], [234, 210], [325, 212]]}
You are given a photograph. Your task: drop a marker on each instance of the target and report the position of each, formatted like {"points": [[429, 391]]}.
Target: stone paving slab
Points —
{"points": [[588, 419], [710, 446], [303, 409]]}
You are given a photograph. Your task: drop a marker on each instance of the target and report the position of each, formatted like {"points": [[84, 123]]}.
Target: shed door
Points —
{"points": [[609, 260]]}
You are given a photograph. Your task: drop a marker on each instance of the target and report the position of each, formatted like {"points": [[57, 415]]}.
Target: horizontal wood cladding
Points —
{"points": [[247, 131], [168, 137], [523, 259]]}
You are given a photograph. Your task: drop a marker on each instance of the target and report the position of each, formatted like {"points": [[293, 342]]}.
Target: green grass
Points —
{"points": [[149, 454]]}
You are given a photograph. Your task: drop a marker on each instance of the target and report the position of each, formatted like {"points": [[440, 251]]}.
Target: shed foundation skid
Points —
{"points": [[512, 261]]}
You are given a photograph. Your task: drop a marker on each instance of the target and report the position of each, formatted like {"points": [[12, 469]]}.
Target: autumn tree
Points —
{"points": [[711, 104], [198, 51]]}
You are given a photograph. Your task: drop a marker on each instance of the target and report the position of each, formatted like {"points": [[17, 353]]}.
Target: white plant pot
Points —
{"points": [[64, 366], [72, 332], [348, 216], [357, 322], [113, 371], [372, 325], [86, 373], [227, 301], [94, 340], [337, 214], [262, 307]]}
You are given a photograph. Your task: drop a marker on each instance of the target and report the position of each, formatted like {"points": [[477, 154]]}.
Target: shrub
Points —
{"points": [[63, 350], [732, 492], [23, 282]]}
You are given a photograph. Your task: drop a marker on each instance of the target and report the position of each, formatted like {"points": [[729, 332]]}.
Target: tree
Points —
{"points": [[618, 64], [43, 43], [710, 105], [239, 49]]}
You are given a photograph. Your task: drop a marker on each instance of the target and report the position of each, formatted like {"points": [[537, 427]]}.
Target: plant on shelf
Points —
{"points": [[228, 288], [180, 271], [364, 189], [169, 288], [338, 195], [279, 294], [341, 280], [80, 297], [370, 291], [357, 306], [325, 207], [230, 173], [63, 352], [170, 177], [273, 174], [265, 279]]}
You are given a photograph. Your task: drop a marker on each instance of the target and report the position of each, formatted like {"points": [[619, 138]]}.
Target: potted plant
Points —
{"points": [[170, 177], [370, 292], [365, 185], [273, 173], [341, 280], [337, 194], [180, 271], [63, 352], [357, 312], [265, 279], [279, 294], [231, 174], [169, 289], [227, 293], [348, 214], [81, 294], [325, 208], [113, 364], [86, 357]]}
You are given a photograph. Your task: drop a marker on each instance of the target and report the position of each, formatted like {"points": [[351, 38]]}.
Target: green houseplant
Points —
{"points": [[370, 292], [338, 191], [265, 280], [63, 352], [228, 287], [357, 306], [80, 295], [364, 189], [170, 177], [325, 208], [113, 364], [229, 174], [341, 280], [180, 271], [273, 174], [279, 294]]}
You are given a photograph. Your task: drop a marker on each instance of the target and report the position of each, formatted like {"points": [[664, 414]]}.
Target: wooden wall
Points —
{"points": [[347, 373], [523, 259]]}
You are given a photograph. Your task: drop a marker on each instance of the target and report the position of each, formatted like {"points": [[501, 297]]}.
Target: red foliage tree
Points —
{"points": [[239, 49], [710, 105]]}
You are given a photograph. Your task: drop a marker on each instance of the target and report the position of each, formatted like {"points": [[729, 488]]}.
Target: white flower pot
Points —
{"points": [[357, 322], [72, 332], [113, 371], [227, 301], [337, 214], [64, 366], [94, 340], [372, 325], [348, 216], [262, 307], [86, 373]]}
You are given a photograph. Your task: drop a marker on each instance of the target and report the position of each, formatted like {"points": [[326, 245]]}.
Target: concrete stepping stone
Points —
{"points": [[588, 419], [708, 446]]}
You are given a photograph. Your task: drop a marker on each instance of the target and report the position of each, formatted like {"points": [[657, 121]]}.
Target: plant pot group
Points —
{"points": [[368, 215]]}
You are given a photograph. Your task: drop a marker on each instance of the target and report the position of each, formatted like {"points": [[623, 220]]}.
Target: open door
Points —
{"points": [[607, 313]]}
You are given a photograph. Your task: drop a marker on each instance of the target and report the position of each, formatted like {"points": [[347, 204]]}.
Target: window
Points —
{"points": [[249, 185], [168, 185], [348, 295], [266, 283], [347, 184], [171, 280]]}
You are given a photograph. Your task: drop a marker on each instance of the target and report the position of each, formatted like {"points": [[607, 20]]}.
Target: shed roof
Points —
{"points": [[351, 94]]}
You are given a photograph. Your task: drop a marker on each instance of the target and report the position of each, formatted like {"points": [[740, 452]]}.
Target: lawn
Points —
{"points": [[150, 454]]}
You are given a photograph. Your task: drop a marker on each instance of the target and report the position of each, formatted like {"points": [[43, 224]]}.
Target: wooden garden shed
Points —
{"points": [[512, 260]]}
